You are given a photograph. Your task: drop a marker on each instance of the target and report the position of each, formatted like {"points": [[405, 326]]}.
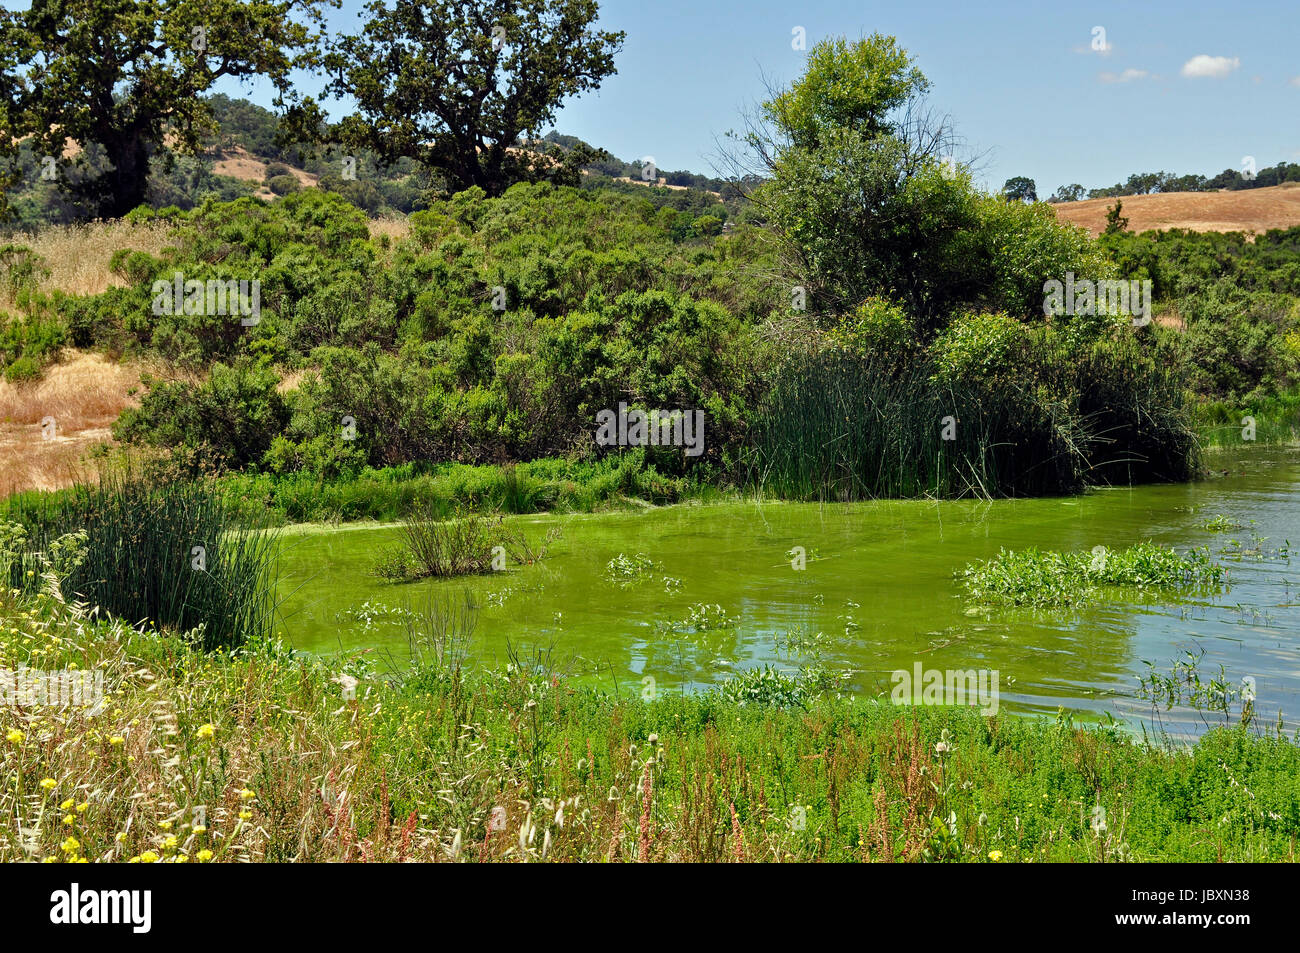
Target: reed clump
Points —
{"points": [[991, 408], [166, 551]]}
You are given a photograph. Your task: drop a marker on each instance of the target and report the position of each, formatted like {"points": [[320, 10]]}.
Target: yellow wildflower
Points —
{"points": [[995, 855], [48, 784], [204, 855], [14, 737], [205, 731]]}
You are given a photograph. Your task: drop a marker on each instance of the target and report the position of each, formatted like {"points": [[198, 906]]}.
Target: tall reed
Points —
{"points": [[840, 424], [166, 551]]}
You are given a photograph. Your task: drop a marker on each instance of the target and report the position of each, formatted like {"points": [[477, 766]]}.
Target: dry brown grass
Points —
{"points": [[1249, 210], [239, 163], [397, 229], [84, 395], [78, 255]]}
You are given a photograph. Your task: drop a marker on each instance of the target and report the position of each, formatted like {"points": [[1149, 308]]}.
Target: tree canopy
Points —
{"points": [[87, 80], [465, 87]]}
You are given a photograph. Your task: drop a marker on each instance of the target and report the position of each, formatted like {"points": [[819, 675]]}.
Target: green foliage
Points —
{"points": [[232, 418], [283, 184], [27, 344], [847, 86], [435, 83], [868, 208], [1020, 189], [767, 687], [434, 548], [136, 71], [992, 407], [128, 545], [1033, 578]]}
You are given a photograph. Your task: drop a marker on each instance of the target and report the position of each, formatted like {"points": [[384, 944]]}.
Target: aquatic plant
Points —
{"points": [[1031, 577]]}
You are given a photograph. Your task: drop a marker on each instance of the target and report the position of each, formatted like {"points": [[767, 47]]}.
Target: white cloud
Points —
{"points": [[1214, 67], [1125, 77]]}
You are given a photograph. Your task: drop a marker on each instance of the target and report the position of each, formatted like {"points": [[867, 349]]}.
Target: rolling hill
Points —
{"points": [[1246, 210]]}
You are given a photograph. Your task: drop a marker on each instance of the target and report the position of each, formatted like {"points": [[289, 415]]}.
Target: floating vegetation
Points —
{"points": [[705, 617], [1031, 577]]}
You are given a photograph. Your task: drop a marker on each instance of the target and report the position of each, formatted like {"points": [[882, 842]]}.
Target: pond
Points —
{"points": [[877, 594]]}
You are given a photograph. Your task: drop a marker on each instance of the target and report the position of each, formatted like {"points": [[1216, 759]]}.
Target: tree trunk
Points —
{"points": [[129, 179]]}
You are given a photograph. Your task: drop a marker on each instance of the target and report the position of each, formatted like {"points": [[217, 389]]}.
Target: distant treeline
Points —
{"points": [[401, 187], [1145, 183]]}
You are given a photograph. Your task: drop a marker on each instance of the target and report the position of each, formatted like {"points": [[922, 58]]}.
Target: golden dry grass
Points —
{"points": [[239, 163], [1249, 210], [83, 395], [78, 255], [397, 229]]}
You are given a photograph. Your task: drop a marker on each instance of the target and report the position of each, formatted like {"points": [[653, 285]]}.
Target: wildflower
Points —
{"points": [[941, 747], [204, 855], [119, 836], [995, 855], [116, 740], [14, 737], [200, 829], [165, 825], [67, 805], [81, 808], [148, 857], [245, 815], [205, 731], [48, 784], [70, 845], [246, 795], [170, 843], [69, 820]]}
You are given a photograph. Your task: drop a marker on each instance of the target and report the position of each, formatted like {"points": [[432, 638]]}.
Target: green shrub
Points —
{"points": [[283, 184]]}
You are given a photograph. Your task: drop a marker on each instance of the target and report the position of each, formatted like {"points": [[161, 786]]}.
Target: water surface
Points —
{"points": [[878, 587]]}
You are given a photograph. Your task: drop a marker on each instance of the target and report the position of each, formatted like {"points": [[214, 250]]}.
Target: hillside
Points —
{"points": [[1253, 210]]}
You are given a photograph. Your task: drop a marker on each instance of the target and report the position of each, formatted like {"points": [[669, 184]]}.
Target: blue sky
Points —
{"points": [[1183, 87], [1021, 80]]}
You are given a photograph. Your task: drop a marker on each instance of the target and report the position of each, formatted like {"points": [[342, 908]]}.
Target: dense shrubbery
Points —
{"points": [[369, 353], [602, 304], [1239, 301], [498, 329]]}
